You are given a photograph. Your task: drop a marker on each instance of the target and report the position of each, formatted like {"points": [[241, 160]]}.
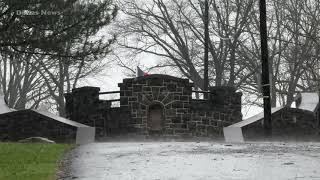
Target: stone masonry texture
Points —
{"points": [[23, 124], [182, 116]]}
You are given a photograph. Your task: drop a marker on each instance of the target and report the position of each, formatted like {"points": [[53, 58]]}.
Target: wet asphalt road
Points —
{"points": [[193, 161]]}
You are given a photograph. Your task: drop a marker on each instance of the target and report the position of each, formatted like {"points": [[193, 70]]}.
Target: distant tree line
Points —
{"points": [[174, 31], [47, 46]]}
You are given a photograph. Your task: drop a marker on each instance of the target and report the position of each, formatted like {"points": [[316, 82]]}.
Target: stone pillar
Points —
{"points": [[81, 103], [227, 99], [69, 105], [222, 95]]}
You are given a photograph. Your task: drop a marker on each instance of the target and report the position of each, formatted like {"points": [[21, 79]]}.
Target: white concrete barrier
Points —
{"points": [[85, 134], [305, 101], [233, 134], [308, 101], [3, 106]]}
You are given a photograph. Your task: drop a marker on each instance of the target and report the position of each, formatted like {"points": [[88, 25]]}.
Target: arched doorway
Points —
{"points": [[155, 118]]}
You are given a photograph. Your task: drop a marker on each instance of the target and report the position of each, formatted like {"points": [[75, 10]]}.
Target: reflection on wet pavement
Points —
{"points": [[191, 160]]}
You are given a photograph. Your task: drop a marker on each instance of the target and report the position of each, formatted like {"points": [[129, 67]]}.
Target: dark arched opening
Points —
{"points": [[155, 118]]}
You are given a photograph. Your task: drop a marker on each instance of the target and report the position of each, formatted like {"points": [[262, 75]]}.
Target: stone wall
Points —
{"points": [[22, 124], [172, 94], [111, 121], [83, 103], [208, 117], [287, 122], [84, 106], [181, 115]]}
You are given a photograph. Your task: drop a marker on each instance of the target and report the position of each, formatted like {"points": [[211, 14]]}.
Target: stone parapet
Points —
{"points": [[169, 96]]}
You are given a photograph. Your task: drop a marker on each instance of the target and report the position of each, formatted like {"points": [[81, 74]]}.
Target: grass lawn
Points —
{"points": [[30, 161]]}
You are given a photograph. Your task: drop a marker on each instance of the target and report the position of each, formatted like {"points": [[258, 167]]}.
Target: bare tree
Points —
{"points": [[174, 30], [20, 83], [52, 54]]}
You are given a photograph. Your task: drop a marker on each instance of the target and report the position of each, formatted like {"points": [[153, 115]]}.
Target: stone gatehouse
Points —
{"points": [[156, 105]]}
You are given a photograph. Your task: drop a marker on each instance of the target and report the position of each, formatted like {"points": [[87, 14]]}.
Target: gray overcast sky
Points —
{"points": [[108, 79]]}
